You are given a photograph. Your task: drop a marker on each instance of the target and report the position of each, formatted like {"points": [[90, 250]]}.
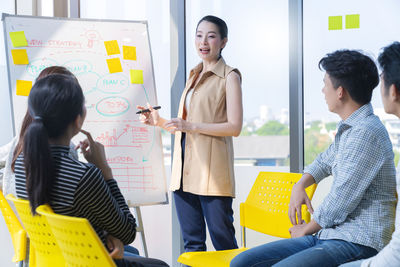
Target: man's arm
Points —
{"points": [[315, 172], [358, 165], [299, 197]]}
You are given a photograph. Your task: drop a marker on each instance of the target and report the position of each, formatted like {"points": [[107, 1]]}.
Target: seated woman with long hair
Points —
{"points": [[45, 173]]}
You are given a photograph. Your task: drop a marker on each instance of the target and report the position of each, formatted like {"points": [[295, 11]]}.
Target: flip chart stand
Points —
{"points": [[140, 229]]}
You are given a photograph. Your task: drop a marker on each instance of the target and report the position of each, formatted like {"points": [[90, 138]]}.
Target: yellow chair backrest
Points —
{"points": [[267, 205], [79, 243], [265, 210], [17, 232], [47, 252]]}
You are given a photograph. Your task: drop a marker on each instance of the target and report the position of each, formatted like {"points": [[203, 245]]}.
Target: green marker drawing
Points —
{"points": [[145, 92]]}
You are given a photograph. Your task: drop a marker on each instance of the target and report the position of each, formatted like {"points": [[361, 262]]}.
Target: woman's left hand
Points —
{"points": [[178, 124], [115, 246]]}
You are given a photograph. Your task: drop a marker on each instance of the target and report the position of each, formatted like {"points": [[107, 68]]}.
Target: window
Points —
{"points": [[258, 47], [333, 25]]}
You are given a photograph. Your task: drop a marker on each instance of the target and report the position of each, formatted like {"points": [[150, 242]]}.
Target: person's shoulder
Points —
{"points": [[76, 163], [232, 73], [371, 128], [92, 176], [372, 124]]}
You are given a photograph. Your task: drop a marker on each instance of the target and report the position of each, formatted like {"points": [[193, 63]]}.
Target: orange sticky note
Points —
{"points": [[136, 76], [112, 47], [129, 52], [23, 87], [114, 65], [20, 56], [18, 39]]}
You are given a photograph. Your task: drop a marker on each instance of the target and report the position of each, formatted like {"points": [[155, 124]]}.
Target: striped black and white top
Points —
{"points": [[81, 191]]}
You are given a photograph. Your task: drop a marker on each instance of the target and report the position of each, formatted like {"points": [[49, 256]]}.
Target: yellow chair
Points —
{"points": [[265, 211], [79, 243], [44, 247], [17, 232]]}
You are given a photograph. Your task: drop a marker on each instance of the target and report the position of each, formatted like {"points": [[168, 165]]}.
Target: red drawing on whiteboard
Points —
{"points": [[55, 43], [131, 178], [112, 106], [93, 37], [131, 136], [121, 160]]}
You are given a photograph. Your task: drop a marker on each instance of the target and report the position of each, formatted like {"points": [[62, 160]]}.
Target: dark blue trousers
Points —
{"points": [[193, 213], [194, 210]]}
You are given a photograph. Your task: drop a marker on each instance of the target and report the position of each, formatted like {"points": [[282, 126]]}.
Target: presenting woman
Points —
{"points": [[210, 113]]}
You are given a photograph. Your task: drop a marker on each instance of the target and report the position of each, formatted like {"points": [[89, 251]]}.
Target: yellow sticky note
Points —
{"points": [[23, 87], [18, 39], [20, 56], [335, 23], [112, 47], [353, 21], [129, 52], [137, 76], [114, 65]]}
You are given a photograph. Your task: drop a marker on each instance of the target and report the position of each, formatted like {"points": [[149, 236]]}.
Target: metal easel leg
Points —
{"points": [[140, 229]]}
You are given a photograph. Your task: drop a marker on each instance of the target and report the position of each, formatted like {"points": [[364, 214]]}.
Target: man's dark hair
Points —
{"points": [[389, 61], [354, 71]]}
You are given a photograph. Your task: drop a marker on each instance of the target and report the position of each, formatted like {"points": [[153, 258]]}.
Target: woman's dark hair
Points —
{"points": [[222, 28], [27, 118], [221, 25], [389, 61], [54, 103], [354, 71]]}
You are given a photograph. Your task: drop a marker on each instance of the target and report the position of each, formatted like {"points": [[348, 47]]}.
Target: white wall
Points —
{"points": [[6, 133], [6, 251]]}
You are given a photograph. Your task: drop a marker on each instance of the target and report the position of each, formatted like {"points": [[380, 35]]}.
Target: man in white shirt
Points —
{"points": [[389, 61]]}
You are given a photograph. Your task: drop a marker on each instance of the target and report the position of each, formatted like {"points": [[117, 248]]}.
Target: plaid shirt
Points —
{"points": [[361, 203]]}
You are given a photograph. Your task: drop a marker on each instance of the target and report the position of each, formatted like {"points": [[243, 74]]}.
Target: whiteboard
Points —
{"points": [[134, 151]]}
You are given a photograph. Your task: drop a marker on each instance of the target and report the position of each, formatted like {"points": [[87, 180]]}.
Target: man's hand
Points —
{"points": [[298, 198], [116, 247], [298, 230], [303, 229]]}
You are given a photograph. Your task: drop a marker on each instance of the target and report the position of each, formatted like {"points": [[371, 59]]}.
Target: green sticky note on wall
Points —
{"points": [[335, 23], [18, 39], [136, 76], [353, 21]]}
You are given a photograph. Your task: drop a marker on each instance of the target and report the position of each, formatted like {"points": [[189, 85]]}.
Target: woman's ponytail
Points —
{"points": [[38, 162]]}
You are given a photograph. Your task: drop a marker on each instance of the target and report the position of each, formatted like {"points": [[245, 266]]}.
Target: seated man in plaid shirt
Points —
{"points": [[356, 218]]}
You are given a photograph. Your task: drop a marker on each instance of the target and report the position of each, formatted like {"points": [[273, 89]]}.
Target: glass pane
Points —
{"points": [[331, 25], [258, 47]]}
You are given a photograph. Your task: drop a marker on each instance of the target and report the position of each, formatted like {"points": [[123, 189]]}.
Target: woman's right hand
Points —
{"points": [[151, 118], [94, 153]]}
